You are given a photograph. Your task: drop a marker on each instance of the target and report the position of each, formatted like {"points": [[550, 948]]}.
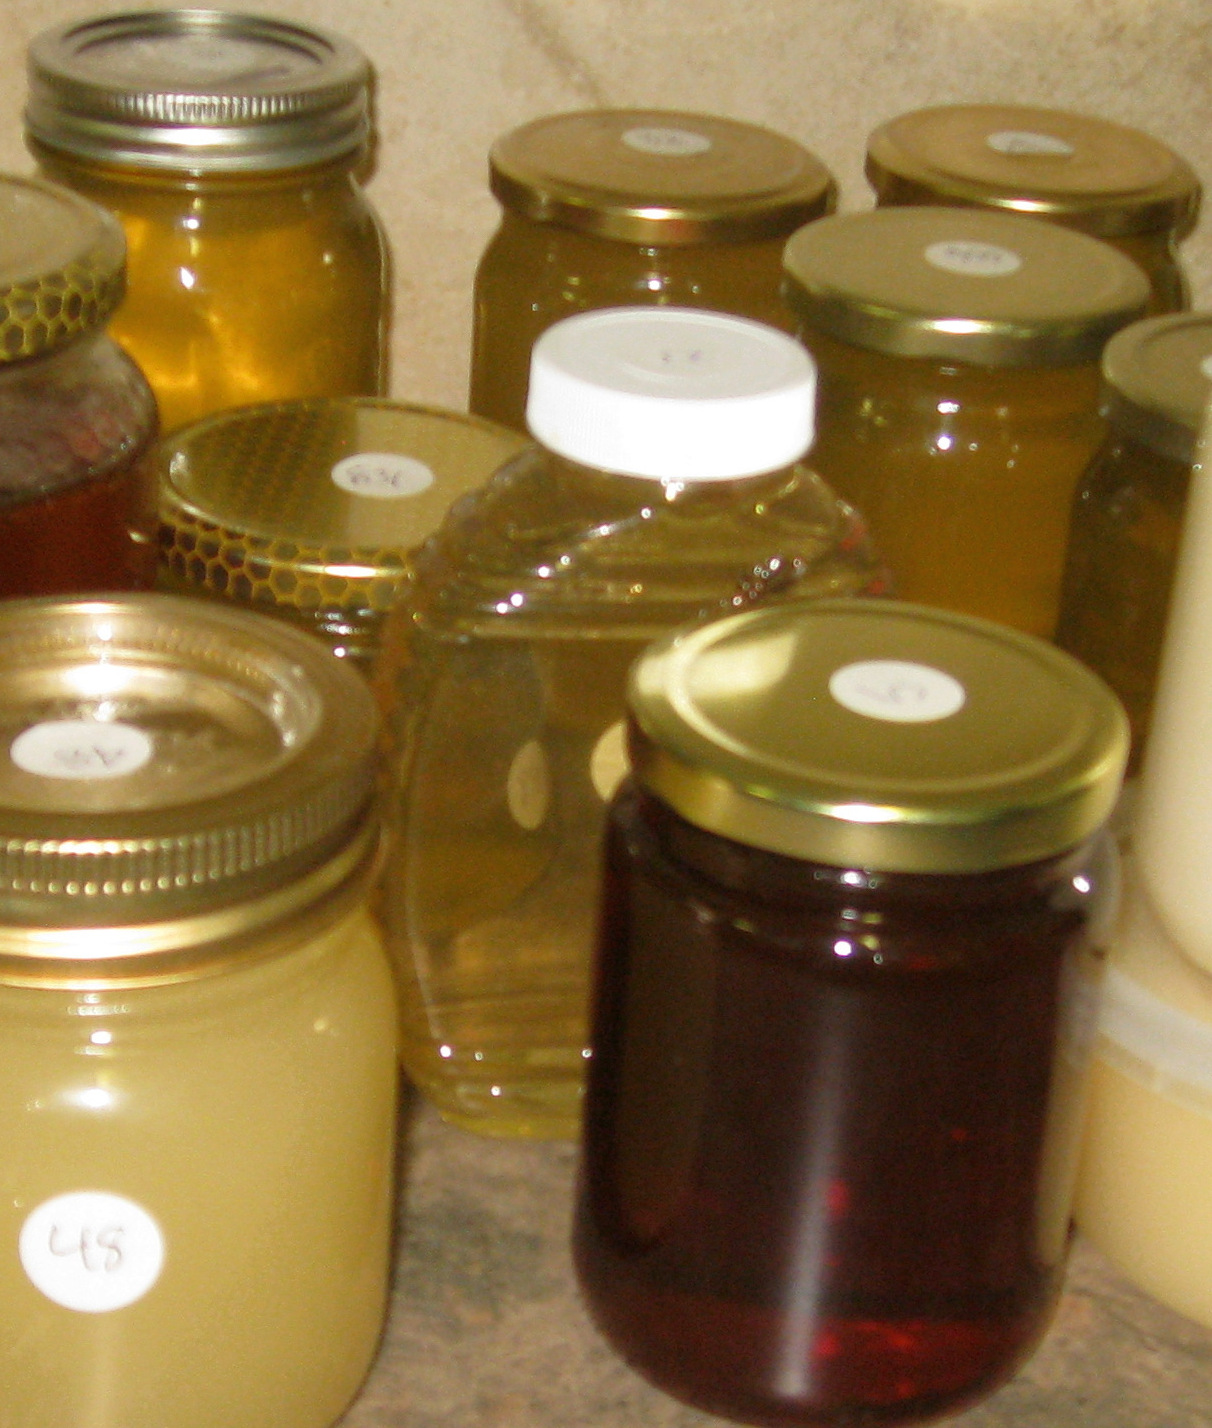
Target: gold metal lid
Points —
{"points": [[874, 734], [961, 284], [657, 176], [166, 762], [1157, 381], [316, 504], [197, 90], [62, 267], [1091, 174]]}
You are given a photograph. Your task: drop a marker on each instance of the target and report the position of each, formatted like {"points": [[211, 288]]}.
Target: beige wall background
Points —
{"points": [[453, 74]]}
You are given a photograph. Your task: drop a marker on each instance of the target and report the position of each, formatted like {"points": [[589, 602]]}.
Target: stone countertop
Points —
{"points": [[486, 1329]]}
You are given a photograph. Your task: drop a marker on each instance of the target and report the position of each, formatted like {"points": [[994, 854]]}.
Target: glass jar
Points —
{"points": [[77, 419], [958, 355], [668, 486], [854, 897], [310, 510], [1105, 179], [229, 145], [1128, 510], [197, 1095], [612, 208]]}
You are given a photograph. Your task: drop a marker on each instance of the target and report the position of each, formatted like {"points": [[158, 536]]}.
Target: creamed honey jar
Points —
{"points": [[198, 1068], [620, 207], [311, 510], [958, 377], [1105, 179], [230, 146]]}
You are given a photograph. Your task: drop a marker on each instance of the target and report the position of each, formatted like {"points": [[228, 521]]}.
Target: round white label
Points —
{"points": [[976, 260], [1025, 141], [897, 690], [1206, 367], [91, 1251], [528, 786], [671, 143], [608, 764], [80, 748], [382, 474]]}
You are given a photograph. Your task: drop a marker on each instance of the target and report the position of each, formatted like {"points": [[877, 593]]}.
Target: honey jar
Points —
{"points": [[958, 354], [197, 1092], [231, 147], [617, 207], [1102, 178], [310, 510], [848, 957]]}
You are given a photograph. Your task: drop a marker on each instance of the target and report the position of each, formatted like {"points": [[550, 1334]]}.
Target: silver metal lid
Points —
{"points": [[198, 90]]}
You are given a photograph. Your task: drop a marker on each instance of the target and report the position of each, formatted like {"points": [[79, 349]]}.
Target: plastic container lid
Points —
{"points": [[988, 289], [1088, 173], [656, 176], [197, 90], [1157, 377], [672, 394]]}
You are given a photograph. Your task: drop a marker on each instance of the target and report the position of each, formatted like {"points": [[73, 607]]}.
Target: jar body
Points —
{"points": [[503, 682], [832, 1120], [964, 474], [77, 498], [245, 1123], [534, 274], [244, 289], [1123, 545]]}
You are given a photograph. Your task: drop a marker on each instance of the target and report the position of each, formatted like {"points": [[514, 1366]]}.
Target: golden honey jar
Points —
{"points": [[197, 1087]]}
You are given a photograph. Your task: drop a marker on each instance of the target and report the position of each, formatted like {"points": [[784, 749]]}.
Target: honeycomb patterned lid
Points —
{"points": [[313, 506], [62, 267]]}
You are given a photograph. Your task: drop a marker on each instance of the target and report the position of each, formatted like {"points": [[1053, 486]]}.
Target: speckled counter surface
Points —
{"points": [[486, 1330]]}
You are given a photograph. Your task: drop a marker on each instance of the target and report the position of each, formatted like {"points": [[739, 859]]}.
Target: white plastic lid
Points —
{"points": [[670, 393]]}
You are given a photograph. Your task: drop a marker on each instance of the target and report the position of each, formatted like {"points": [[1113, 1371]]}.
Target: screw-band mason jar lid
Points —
{"points": [[961, 284], [657, 176], [672, 394], [880, 735], [170, 771], [1157, 381], [316, 504], [197, 90], [1103, 178], [62, 267]]}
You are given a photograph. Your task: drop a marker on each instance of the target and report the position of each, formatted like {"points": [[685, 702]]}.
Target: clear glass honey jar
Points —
{"points": [[1105, 179], [669, 484], [197, 1093], [958, 357], [230, 147], [311, 510], [1129, 505], [77, 419], [855, 901], [613, 208]]}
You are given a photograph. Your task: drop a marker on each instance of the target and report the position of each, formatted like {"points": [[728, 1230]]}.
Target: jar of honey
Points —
{"points": [[958, 354], [669, 484], [77, 418], [1128, 510], [197, 1093], [854, 898], [230, 146], [617, 207], [1105, 179], [311, 509]]}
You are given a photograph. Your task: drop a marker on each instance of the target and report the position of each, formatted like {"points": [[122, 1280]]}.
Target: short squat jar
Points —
{"points": [[669, 484], [231, 147], [77, 418], [1129, 506], [197, 1093], [311, 510], [958, 354], [1090, 174], [610, 208], [855, 895]]}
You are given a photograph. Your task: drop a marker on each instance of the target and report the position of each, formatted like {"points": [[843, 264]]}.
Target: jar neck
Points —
{"points": [[79, 172]]}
